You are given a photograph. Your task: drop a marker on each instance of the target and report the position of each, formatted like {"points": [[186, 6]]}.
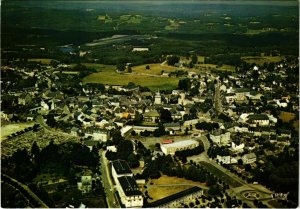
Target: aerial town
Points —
{"points": [[216, 141], [146, 105]]}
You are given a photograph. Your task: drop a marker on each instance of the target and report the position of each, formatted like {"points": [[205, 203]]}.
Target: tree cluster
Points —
{"points": [[206, 126], [190, 152], [172, 60]]}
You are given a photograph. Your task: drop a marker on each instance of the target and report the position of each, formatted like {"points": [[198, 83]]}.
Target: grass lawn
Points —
{"points": [[43, 61], [158, 193], [155, 69], [201, 59], [261, 60], [213, 66], [13, 128], [168, 185], [113, 78], [175, 180], [101, 67]]}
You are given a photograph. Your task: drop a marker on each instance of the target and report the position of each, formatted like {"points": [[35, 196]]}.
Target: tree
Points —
{"points": [[121, 67], [194, 59], [129, 70], [35, 150], [160, 131], [133, 161], [171, 60], [124, 149], [186, 132], [184, 84], [51, 120], [116, 136], [165, 116], [240, 162], [214, 190]]}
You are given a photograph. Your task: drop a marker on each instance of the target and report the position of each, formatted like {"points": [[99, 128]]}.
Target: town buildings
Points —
{"points": [[178, 146]]}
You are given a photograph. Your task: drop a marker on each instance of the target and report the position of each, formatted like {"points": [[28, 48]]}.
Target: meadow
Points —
{"points": [[261, 60], [106, 74], [155, 69]]}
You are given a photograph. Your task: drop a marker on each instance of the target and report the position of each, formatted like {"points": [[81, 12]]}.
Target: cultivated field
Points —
{"points": [[262, 60]]}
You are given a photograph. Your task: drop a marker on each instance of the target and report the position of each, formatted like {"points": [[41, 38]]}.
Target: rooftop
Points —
{"points": [[242, 90], [129, 186], [121, 167], [181, 143], [258, 117]]}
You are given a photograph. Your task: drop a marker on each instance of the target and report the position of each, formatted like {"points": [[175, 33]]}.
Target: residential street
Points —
{"points": [[107, 183], [264, 193]]}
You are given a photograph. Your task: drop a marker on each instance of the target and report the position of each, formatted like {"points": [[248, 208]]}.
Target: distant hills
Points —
{"points": [[164, 0]]}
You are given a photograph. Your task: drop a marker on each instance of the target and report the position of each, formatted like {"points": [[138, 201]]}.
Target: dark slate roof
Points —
{"points": [[173, 197], [129, 186], [121, 166], [258, 117], [90, 143], [242, 90], [171, 125]]}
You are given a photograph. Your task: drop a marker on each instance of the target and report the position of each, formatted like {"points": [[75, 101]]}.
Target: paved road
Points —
{"points": [[203, 158], [32, 198], [107, 183]]}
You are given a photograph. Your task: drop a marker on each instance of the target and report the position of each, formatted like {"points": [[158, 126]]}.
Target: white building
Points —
{"points": [[126, 185], [249, 158], [140, 49], [157, 98], [226, 159], [220, 139], [258, 120], [126, 130], [98, 134], [129, 192], [241, 94], [178, 146], [237, 148]]}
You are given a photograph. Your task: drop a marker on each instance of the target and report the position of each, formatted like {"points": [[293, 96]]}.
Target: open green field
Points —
{"points": [[113, 78], [155, 69], [43, 61], [100, 67], [213, 66], [262, 60], [201, 59]]}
